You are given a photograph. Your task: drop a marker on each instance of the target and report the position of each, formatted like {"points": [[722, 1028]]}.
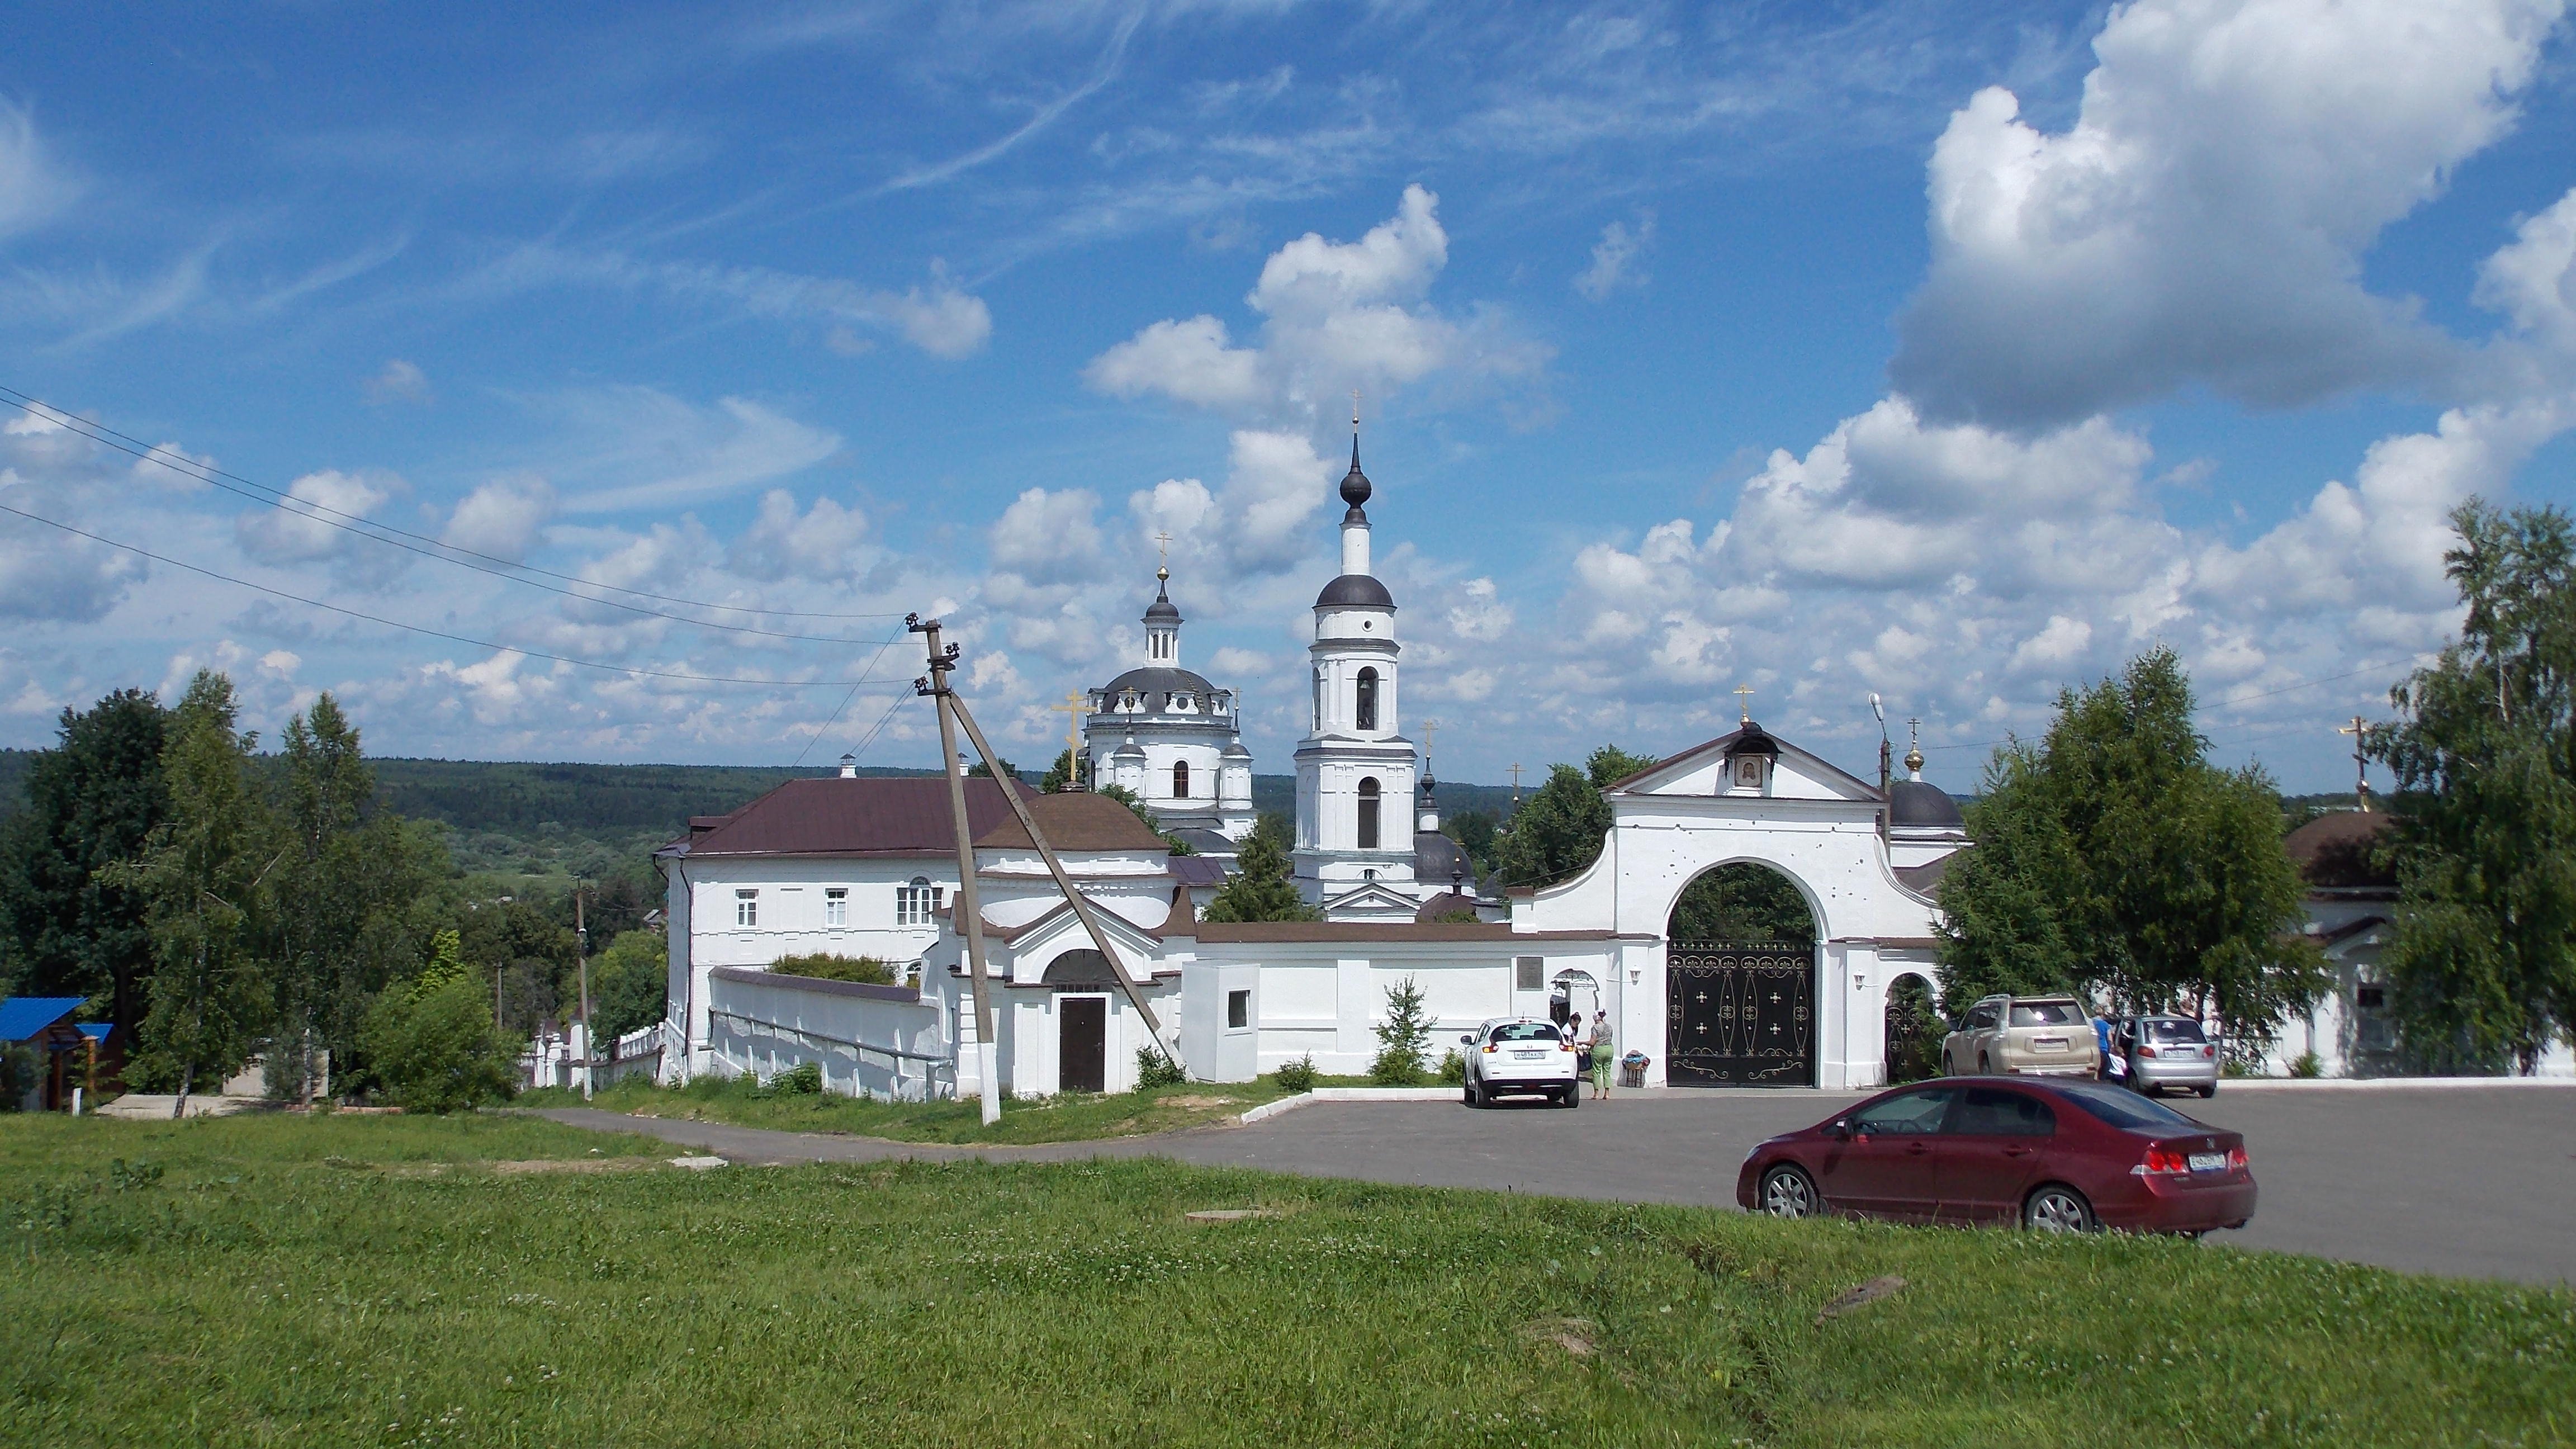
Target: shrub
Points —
{"points": [[1297, 1076], [824, 966], [1453, 1069], [1153, 1069], [431, 1040], [805, 1079], [1402, 1037], [2306, 1067]]}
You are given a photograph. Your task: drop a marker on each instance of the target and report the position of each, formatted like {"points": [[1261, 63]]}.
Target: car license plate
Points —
{"points": [[2209, 1162], [1529, 1056], [2048, 1043]]}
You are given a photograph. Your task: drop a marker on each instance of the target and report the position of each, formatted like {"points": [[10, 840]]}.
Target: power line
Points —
{"points": [[385, 533], [420, 629], [845, 702]]}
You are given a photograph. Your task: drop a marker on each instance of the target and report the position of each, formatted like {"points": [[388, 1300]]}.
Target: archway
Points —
{"points": [[1914, 1031], [1740, 981], [1574, 995]]}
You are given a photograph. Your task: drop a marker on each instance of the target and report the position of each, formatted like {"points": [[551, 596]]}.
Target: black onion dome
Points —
{"points": [[1355, 590], [1437, 858], [1155, 685], [1162, 608], [1355, 484], [1923, 805]]}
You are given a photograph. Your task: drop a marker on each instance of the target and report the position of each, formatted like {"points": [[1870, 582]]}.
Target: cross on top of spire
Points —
{"points": [[1744, 702]]}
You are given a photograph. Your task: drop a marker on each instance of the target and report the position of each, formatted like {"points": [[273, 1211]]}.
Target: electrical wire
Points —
{"points": [[360, 526], [630, 669], [845, 702]]}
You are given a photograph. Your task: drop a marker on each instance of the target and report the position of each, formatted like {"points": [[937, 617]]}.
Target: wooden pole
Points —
{"points": [[1081, 904], [581, 949], [969, 910]]}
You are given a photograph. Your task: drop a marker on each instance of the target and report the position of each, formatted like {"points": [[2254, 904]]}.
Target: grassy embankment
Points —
{"points": [[380, 1281], [1071, 1117]]}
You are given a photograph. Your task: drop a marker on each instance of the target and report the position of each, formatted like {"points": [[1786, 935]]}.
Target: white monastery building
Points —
{"points": [[868, 866]]}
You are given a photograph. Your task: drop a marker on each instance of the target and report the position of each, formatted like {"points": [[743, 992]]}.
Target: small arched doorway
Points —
{"points": [[1572, 997], [1082, 982], [1914, 1031], [1740, 981]]}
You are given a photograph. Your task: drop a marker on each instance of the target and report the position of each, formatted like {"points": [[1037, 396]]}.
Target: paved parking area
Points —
{"points": [[2469, 1182]]}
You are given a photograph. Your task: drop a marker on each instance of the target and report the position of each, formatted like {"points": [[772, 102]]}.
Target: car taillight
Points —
{"points": [[2210, 1050], [1489, 1048], [2236, 1160], [1565, 1046], [2163, 1160], [2146, 1051]]}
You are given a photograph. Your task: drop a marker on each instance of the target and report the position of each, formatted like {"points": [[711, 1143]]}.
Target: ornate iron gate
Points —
{"points": [[1739, 1014]]}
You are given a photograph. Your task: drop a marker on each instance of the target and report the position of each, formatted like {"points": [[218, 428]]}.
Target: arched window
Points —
{"points": [[1368, 699], [1368, 809], [916, 904], [1180, 779]]}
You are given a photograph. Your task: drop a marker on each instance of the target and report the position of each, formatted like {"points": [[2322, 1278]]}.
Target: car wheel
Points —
{"points": [[1787, 1192], [1572, 1099], [2057, 1209], [2209, 1091], [1985, 1065], [1467, 1093]]}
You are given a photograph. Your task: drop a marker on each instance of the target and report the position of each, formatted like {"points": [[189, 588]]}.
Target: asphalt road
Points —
{"points": [[2466, 1182]]}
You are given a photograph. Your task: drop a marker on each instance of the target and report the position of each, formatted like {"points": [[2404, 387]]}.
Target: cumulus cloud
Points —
{"points": [[823, 542], [2203, 219], [2532, 280], [1618, 259], [316, 530], [1336, 315], [502, 519], [1261, 522]]}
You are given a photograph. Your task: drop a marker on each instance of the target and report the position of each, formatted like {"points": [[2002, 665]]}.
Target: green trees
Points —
{"points": [[200, 879], [71, 924], [1260, 890], [630, 983], [1743, 902], [1402, 1037], [430, 1040], [2481, 969], [2113, 854], [1558, 830]]}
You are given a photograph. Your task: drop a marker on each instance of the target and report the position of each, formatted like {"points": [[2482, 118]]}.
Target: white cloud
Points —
{"points": [[288, 534], [937, 317], [1617, 259], [400, 382], [2532, 280], [502, 519], [823, 543], [33, 190], [1337, 315], [661, 451], [2204, 217]]}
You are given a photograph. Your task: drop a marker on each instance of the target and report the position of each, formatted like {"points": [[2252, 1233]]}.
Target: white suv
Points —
{"points": [[1520, 1056]]}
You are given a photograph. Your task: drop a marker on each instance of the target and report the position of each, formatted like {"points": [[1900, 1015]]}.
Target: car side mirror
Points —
{"points": [[1839, 1130], [1468, 1040]]}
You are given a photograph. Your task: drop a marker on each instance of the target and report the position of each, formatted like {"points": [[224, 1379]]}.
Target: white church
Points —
{"points": [[869, 867]]}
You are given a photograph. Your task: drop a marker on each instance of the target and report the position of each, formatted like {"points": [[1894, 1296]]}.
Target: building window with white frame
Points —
{"points": [[746, 909], [836, 906], [916, 904]]}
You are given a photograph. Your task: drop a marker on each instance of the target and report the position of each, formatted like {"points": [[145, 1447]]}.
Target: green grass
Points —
{"points": [[1071, 1117], [313, 1281]]}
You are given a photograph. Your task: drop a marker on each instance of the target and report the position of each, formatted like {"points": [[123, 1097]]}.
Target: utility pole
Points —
{"points": [[969, 909], [581, 956], [2359, 729]]}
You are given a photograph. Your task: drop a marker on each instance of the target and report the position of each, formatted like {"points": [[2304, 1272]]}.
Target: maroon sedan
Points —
{"points": [[2062, 1156]]}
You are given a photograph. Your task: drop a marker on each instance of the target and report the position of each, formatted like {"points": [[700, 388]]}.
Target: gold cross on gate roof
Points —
{"points": [[1744, 694]]}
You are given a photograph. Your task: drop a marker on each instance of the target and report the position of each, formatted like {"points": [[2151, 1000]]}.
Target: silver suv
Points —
{"points": [[2026, 1036]]}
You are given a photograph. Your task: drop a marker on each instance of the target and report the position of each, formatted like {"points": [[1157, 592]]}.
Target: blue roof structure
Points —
{"points": [[96, 1031], [23, 1016]]}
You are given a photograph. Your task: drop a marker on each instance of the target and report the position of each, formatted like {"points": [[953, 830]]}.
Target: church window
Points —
{"points": [[836, 906], [1368, 814], [1180, 779], [1368, 699], [916, 904], [746, 908], [1319, 701]]}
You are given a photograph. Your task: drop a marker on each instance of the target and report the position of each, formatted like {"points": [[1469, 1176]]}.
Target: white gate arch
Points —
{"points": [[1748, 797]]}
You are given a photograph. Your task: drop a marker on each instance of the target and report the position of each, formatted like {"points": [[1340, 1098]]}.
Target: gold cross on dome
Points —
{"points": [[1163, 548], [1743, 701]]}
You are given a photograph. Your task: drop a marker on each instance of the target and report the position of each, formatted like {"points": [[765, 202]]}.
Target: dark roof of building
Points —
{"points": [[2340, 850], [1437, 859], [1925, 878], [1197, 870], [1924, 805], [1206, 841], [1162, 607], [23, 1016], [1082, 821], [1155, 684], [1447, 903], [1355, 591], [1256, 932], [869, 815]]}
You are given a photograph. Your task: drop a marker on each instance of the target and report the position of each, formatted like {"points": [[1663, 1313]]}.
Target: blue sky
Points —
{"points": [[1950, 352]]}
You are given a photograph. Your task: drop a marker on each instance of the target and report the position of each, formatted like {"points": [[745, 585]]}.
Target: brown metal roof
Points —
{"points": [[2343, 849], [870, 815], [1082, 821]]}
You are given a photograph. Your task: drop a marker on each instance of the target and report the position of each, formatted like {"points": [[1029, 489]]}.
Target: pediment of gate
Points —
{"points": [[1037, 945]]}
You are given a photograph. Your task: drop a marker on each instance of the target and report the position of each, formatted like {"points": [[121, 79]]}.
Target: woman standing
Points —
{"points": [[1604, 1049]]}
